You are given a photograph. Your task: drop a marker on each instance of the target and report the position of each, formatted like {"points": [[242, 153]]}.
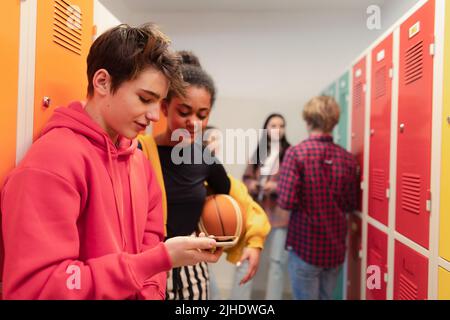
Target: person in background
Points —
{"points": [[261, 177], [212, 140], [82, 214], [184, 183], [319, 184]]}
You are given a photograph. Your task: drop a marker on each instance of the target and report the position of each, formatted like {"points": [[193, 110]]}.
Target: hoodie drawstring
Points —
{"points": [[119, 204]]}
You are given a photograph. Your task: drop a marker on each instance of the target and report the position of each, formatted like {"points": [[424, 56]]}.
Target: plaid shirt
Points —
{"points": [[319, 183]]}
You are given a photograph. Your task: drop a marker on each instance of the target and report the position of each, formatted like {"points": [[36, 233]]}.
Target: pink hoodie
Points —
{"points": [[82, 219]]}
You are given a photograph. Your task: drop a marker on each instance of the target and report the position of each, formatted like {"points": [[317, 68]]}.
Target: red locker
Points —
{"points": [[377, 243], [411, 274], [414, 120], [354, 259], [380, 130], [359, 105]]}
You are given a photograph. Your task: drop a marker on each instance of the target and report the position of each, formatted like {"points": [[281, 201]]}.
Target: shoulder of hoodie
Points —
{"points": [[60, 152]]}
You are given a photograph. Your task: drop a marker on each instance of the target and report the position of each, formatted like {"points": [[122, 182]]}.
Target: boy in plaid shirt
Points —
{"points": [[319, 183]]}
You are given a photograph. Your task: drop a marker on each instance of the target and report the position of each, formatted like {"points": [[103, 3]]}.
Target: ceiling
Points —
{"points": [[161, 6]]}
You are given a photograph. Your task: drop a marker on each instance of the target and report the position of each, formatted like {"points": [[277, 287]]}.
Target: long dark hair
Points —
{"points": [[258, 158]]}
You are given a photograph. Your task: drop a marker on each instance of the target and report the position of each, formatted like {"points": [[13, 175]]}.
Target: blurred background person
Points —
{"points": [[260, 177]]}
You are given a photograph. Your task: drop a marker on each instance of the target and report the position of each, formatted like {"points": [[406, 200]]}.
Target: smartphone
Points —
{"points": [[224, 241]]}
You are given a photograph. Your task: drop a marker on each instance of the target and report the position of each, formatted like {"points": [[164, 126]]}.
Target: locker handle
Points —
{"points": [[402, 127], [448, 119], [46, 101]]}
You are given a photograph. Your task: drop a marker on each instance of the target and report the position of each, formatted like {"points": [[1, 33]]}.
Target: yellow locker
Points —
{"points": [[64, 35], [9, 65], [444, 245], [444, 284]]}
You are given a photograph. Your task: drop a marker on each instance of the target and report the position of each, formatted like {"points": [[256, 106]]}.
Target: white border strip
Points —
{"points": [[436, 145], [411, 244], [377, 224], [393, 163], [27, 62], [365, 200]]}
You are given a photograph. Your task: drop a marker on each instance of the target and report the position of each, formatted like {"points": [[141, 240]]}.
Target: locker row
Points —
{"points": [[395, 119]]}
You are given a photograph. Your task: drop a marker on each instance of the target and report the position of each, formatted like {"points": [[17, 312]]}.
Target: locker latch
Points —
{"points": [[429, 201], [432, 47], [388, 190], [386, 277], [391, 73], [46, 101]]}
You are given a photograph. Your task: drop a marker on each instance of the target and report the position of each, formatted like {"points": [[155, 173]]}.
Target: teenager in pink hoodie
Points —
{"points": [[82, 213]]}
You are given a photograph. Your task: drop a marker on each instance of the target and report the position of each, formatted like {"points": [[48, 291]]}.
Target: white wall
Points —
{"points": [[267, 61], [393, 10], [103, 18]]}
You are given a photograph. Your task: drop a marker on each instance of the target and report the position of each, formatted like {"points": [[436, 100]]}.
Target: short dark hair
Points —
{"points": [[194, 75], [126, 51]]}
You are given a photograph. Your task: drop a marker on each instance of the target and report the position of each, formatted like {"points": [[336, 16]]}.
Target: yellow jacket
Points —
{"points": [[257, 225]]}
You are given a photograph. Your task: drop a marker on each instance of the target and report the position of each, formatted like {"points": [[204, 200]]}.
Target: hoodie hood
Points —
{"points": [[78, 200], [75, 118]]}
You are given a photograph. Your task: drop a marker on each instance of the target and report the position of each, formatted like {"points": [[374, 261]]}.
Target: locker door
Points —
{"points": [[380, 130], [444, 284], [343, 92], [377, 257], [411, 274], [414, 119], [354, 259], [358, 111], [444, 218], [9, 64], [64, 35]]}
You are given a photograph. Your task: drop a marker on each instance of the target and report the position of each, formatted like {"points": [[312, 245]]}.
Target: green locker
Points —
{"points": [[338, 293], [330, 90], [333, 91], [342, 99]]}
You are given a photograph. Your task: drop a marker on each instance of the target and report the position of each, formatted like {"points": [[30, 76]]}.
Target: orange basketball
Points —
{"points": [[222, 218]]}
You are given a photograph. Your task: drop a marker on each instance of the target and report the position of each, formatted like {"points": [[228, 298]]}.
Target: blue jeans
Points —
{"points": [[214, 291], [310, 282], [277, 269]]}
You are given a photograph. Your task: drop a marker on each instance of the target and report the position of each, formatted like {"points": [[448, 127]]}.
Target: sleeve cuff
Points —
{"points": [[149, 263]]}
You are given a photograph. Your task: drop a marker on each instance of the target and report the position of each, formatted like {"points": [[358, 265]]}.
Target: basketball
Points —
{"points": [[221, 217]]}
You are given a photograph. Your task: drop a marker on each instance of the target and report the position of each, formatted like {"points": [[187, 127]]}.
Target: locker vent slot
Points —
{"points": [[408, 290], [378, 184], [380, 82], [358, 95], [67, 26], [414, 63], [411, 193]]}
